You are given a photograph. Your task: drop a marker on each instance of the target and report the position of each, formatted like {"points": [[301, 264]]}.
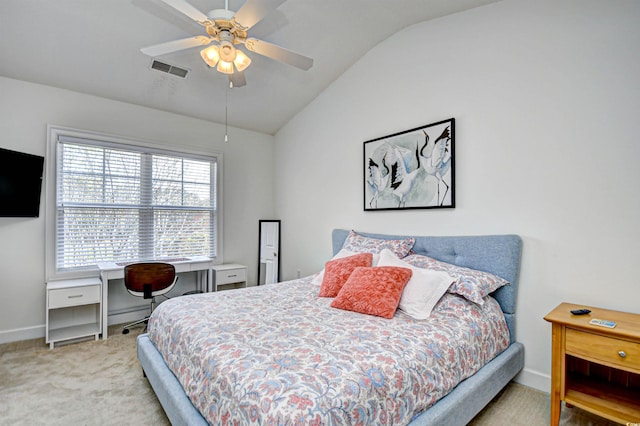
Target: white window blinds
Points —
{"points": [[122, 203]]}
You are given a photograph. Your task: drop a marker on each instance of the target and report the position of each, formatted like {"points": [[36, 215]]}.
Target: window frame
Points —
{"points": [[51, 184]]}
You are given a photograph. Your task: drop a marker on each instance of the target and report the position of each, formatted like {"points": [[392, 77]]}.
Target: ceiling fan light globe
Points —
{"points": [[225, 67], [210, 55], [242, 61], [228, 52]]}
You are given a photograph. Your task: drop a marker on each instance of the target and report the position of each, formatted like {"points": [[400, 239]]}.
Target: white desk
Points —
{"points": [[113, 271]]}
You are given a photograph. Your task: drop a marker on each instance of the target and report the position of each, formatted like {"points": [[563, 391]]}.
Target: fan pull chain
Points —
{"points": [[226, 113]]}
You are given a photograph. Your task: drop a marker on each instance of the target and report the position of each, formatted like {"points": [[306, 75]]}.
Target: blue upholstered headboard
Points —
{"points": [[498, 254]]}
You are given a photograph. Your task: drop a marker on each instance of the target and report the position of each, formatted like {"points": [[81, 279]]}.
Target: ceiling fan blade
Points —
{"points": [[237, 79], [253, 11], [176, 45], [187, 9], [279, 53]]}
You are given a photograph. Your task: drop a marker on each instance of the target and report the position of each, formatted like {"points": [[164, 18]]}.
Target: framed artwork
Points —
{"points": [[413, 169]]}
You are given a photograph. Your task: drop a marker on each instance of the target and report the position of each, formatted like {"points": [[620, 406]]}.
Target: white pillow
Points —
{"points": [[342, 253], [424, 289]]}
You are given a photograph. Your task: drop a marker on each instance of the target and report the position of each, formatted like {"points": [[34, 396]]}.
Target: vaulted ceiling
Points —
{"points": [[93, 47]]}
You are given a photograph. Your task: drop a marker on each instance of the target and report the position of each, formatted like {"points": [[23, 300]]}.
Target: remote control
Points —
{"points": [[580, 311]]}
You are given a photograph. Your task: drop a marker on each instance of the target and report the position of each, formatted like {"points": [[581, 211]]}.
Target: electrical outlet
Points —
{"points": [[298, 272]]}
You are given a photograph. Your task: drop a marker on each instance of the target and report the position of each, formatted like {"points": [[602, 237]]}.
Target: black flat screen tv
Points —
{"points": [[20, 183]]}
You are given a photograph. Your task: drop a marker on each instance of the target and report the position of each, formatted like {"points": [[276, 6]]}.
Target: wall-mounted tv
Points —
{"points": [[20, 183]]}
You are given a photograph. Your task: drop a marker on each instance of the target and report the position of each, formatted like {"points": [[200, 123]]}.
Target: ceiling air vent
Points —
{"points": [[169, 69]]}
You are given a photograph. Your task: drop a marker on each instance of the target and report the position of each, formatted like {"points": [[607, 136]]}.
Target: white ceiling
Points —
{"points": [[93, 47]]}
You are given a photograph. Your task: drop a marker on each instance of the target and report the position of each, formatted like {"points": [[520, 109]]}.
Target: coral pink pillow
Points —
{"points": [[336, 272], [317, 280], [373, 291]]}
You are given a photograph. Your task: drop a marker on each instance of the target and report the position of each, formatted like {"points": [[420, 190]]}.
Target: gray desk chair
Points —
{"points": [[148, 280]]}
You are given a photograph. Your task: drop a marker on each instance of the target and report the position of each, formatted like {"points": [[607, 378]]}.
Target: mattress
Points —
{"points": [[278, 354]]}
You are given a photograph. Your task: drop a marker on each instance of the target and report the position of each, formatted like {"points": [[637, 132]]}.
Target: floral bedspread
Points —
{"points": [[280, 355]]}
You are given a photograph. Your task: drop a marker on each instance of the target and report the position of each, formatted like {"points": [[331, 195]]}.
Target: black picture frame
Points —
{"points": [[413, 169]]}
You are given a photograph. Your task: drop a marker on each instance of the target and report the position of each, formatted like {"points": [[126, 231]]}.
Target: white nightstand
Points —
{"points": [[74, 309], [229, 276]]}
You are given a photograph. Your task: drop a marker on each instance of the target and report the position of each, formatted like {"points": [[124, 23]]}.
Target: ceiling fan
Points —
{"points": [[226, 29]]}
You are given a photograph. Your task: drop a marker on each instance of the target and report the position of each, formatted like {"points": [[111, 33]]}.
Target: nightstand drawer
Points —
{"points": [[231, 276], [74, 296], [610, 351]]}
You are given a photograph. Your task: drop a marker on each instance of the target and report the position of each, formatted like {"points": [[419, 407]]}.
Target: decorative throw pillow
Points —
{"points": [[342, 253], [424, 289], [336, 272], [373, 291], [471, 284], [361, 244]]}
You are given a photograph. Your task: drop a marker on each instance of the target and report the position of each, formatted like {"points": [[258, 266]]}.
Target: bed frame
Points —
{"points": [[498, 254]]}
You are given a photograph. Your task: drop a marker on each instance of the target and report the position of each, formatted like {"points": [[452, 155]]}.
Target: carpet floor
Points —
{"points": [[101, 383]]}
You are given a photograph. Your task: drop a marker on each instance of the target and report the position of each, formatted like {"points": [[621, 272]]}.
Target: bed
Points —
{"points": [[496, 254]]}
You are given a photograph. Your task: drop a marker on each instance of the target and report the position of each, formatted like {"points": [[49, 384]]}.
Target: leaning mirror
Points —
{"points": [[268, 251]]}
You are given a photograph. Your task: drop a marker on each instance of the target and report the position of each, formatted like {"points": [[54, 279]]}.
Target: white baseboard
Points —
{"points": [[534, 379], [38, 331], [18, 334]]}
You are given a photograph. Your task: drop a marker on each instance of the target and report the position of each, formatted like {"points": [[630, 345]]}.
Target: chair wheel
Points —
{"points": [[125, 331]]}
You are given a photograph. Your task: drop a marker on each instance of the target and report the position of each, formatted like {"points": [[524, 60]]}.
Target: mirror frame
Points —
{"points": [[260, 222]]}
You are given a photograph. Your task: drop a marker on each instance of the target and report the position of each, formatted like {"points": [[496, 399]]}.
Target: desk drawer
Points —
{"points": [[607, 350], [74, 296], [231, 276]]}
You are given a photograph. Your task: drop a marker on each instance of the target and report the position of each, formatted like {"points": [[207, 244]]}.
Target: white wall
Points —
{"points": [[546, 97], [25, 111]]}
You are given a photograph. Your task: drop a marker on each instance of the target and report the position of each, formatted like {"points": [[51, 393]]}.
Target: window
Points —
{"points": [[117, 202]]}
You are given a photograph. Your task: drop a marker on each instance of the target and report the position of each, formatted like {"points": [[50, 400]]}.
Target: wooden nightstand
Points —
{"points": [[593, 367]]}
